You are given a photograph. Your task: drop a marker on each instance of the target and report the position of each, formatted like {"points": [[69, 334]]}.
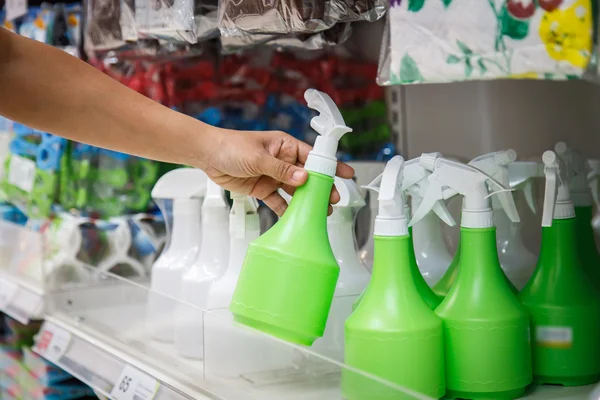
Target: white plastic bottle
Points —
{"points": [[186, 188], [244, 227], [354, 275], [208, 265]]}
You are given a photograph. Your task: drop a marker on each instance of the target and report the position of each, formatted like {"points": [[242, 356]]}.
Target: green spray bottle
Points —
{"points": [[563, 302], [486, 328], [415, 182], [581, 195], [516, 261], [289, 275], [393, 334]]}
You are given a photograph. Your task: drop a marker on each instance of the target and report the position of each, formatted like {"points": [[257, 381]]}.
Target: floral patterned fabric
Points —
{"points": [[457, 40]]}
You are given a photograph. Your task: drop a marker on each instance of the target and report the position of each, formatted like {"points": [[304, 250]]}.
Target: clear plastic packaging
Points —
{"points": [[171, 20], [103, 25], [286, 17], [338, 34]]}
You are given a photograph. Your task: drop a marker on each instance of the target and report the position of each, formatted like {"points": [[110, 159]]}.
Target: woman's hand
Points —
{"points": [[258, 163]]}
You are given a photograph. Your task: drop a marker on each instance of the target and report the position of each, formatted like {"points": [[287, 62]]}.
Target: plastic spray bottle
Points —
{"points": [[290, 273], [354, 276], [415, 181], [186, 188], [393, 334], [486, 328], [581, 195], [562, 301], [516, 260], [208, 265], [244, 227]]}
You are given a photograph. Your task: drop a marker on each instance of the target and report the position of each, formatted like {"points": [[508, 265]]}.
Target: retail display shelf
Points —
{"points": [[22, 285]]}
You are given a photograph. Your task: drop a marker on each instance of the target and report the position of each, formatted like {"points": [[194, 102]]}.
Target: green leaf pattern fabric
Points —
{"points": [[451, 40]]}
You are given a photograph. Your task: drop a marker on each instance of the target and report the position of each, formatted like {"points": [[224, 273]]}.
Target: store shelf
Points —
{"points": [[109, 328], [21, 275]]}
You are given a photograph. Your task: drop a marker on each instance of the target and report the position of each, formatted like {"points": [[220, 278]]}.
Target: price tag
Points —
{"points": [[8, 290], [21, 173], [134, 385], [52, 342], [15, 9]]}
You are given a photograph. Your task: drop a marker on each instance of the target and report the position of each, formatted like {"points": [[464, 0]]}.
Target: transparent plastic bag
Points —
{"points": [[103, 25], [171, 20], [385, 58], [293, 16], [338, 34]]}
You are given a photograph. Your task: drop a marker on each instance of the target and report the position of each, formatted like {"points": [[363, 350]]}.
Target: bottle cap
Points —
{"points": [[330, 125], [557, 197], [391, 218]]}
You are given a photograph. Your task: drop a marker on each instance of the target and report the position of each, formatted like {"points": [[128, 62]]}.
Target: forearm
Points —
{"points": [[49, 90]]}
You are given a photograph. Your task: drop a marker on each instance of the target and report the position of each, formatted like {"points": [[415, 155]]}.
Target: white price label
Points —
{"points": [[15, 9], [8, 290], [559, 337], [21, 173], [52, 342], [134, 385]]}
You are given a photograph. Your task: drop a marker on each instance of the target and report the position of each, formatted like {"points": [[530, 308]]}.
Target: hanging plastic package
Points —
{"points": [[285, 17], [473, 40], [171, 20], [206, 17], [103, 28], [338, 34]]}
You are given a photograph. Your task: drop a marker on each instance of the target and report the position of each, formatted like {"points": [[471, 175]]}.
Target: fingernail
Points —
{"points": [[298, 176]]}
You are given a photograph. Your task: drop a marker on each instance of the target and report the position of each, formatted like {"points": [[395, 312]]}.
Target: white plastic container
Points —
{"points": [[209, 264], [186, 187]]}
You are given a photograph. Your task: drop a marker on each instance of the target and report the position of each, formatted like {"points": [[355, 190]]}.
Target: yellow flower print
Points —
{"points": [[567, 33]]}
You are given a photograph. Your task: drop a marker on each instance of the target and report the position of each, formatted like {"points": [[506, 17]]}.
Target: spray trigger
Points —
{"points": [[506, 199], [433, 196], [329, 122], [551, 169], [242, 205]]}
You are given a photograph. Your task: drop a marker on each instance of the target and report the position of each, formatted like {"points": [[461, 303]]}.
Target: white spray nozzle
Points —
{"points": [[415, 182], [577, 169], [450, 177], [242, 206], [557, 198], [349, 193], [181, 183], [391, 218], [330, 125], [495, 164], [594, 181], [214, 195], [520, 176]]}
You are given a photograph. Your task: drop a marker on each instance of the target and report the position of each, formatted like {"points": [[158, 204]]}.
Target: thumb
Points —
{"points": [[283, 171]]}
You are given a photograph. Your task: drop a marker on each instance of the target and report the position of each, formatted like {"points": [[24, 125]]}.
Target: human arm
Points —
{"points": [[52, 91]]}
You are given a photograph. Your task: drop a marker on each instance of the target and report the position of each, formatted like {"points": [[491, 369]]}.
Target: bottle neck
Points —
{"points": [[559, 245], [187, 224], [392, 262], [309, 206], [479, 255]]}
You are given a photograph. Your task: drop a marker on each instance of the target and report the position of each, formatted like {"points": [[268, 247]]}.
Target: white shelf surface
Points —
{"points": [[21, 274]]}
